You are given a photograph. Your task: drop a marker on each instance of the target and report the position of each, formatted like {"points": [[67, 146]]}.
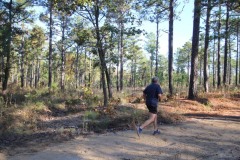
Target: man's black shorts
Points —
{"points": [[152, 109]]}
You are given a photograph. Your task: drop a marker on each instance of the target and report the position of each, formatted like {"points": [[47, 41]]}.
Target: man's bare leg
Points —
{"points": [[151, 119], [155, 127]]}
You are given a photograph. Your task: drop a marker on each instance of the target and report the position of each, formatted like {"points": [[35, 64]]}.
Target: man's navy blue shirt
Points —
{"points": [[151, 93]]}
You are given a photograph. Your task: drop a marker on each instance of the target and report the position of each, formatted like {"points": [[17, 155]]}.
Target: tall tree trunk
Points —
{"points": [[31, 74], [200, 68], [117, 81], [170, 49], [151, 63], [22, 67], [135, 70], [37, 73], [188, 70], [206, 77], [121, 56], [192, 94], [77, 68], [237, 57], [50, 45], [85, 68], [131, 74], [8, 53], [157, 43], [213, 64], [108, 77], [229, 62], [218, 54], [26, 75], [63, 54], [109, 82], [100, 53], [90, 70], [226, 46], [2, 67]]}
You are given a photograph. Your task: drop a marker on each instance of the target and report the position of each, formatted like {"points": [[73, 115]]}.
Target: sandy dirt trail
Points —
{"points": [[195, 139]]}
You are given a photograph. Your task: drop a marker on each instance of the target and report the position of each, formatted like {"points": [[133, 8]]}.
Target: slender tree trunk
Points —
{"points": [[135, 71], [37, 73], [170, 49], [18, 68], [188, 69], [218, 54], [121, 56], [85, 68], [229, 62], [213, 65], [157, 43], [132, 73], [8, 53], [31, 74], [226, 47], [63, 54], [237, 57], [109, 82], [192, 94], [26, 76], [200, 68], [2, 67], [77, 68], [100, 52], [151, 73], [22, 68], [50, 45], [206, 76], [117, 81], [90, 70]]}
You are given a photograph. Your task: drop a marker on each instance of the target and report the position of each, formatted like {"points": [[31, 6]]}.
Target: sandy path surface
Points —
{"points": [[204, 139]]}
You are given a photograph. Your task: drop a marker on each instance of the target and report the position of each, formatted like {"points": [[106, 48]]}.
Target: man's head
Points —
{"points": [[155, 80]]}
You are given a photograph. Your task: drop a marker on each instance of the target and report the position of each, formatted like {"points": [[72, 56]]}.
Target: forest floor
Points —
{"points": [[207, 128]]}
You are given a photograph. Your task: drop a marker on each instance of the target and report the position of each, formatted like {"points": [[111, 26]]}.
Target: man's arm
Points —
{"points": [[159, 97]]}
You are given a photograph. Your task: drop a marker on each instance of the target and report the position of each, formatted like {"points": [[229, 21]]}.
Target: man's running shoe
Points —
{"points": [[139, 130], [156, 132]]}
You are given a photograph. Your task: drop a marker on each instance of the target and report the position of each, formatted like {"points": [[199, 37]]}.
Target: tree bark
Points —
{"points": [[229, 62], [206, 76], [22, 66], [31, 75], [192, 94], [117, 81], [226, 47], [85, 68], [121, 55], [157, 43], [8, 53], [213, 65], [37, 73], [218, 47], [100, 53], [200, 69], [63, 54], [170, 49], [77, 68], [237, 57], [50, 45]]}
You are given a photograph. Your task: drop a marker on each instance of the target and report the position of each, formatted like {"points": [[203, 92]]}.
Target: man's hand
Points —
{"points": [[159, 97]]}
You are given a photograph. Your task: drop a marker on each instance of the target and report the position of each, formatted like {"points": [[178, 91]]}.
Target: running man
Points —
{"points": [[151, 94]]}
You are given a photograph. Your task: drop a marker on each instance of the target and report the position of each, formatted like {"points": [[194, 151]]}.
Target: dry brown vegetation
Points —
{"points": [[36, 118]]}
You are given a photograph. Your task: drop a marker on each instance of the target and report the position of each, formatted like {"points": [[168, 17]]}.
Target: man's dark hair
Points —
{"points": [[154, 79]]}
